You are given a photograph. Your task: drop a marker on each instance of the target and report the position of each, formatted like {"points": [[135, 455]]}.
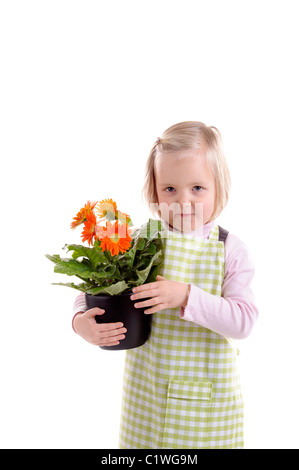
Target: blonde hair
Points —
{"points": [[191, 135]]}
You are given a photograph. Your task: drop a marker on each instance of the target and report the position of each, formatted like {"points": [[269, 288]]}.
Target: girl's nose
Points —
{"points": [[184, 198]]}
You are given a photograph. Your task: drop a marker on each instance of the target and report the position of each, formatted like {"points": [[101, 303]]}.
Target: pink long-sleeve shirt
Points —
{"points": [[232, 315]]}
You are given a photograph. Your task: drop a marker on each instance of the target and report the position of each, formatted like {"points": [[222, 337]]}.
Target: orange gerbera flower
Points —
{"points": [[106, 208], [89, 230], [117, 238], [81, 215]]}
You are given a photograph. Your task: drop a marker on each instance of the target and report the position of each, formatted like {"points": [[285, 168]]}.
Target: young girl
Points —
{"points": [[181, 388]]}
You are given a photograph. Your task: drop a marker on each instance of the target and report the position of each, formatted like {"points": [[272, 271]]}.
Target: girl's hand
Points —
{"points": [[161, 294], [100, 334]]}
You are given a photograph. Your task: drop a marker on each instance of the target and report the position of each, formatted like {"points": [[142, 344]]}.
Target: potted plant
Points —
{"points": [[117, 259]]}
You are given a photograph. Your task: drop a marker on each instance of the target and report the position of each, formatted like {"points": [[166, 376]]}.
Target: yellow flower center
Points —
{"points": [[114, 238]]}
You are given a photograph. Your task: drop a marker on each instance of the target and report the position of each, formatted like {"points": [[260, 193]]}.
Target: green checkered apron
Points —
{"points": [[181, 388]]}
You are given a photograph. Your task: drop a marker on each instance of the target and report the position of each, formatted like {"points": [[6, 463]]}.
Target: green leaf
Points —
{"points": [[153, 274], [95, 255], [72, 267], [105, 273], [83, 287], [150, 229], [98, 276], [140, 244], [53, 258], [114, 289], [143, 274], [150, 248]]}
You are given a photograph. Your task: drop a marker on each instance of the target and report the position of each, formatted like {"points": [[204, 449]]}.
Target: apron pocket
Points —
{"points": [[188, 414]]}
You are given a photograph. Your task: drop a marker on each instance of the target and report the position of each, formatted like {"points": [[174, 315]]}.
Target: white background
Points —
{"points": [[86, 88]]}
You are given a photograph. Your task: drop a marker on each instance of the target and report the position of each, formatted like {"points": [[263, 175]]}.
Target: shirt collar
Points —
{"points": [[201, 232]]}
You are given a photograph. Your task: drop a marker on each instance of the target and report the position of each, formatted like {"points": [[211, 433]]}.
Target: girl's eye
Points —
{"points": [[197, 188], [170, 189]]}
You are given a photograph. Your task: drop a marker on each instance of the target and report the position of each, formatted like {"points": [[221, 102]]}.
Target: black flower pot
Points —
{"points": [[120, 308]]}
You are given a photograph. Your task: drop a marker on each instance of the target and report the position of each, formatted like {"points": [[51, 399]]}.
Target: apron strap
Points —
{"points": [[222, 234]]}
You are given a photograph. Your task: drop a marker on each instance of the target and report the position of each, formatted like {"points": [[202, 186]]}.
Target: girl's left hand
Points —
{"points": [[161, 294]]}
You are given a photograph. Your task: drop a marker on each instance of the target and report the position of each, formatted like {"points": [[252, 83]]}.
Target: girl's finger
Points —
{"points": [[147, 303], [155, 309], [112, 333], [109, 326], [111, 341], [144, 287], [144, 294]]}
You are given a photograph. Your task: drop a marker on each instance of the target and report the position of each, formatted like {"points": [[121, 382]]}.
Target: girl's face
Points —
{"points": [[185, 188]]}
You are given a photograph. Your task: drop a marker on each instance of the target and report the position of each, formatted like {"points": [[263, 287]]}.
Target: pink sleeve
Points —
{"points": [[79, 306], [234, 313]]}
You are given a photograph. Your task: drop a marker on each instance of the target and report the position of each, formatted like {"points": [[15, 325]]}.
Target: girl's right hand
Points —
{"points": [[99, 334]]}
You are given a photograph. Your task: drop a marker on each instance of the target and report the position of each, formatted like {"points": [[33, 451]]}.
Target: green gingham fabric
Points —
{"points": [[181, 388]]}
